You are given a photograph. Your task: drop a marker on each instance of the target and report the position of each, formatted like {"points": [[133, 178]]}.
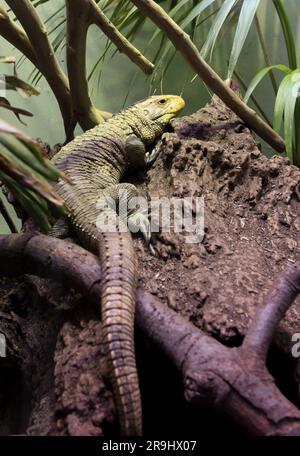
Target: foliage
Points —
{"points": [[12, 82], [222, 16], [25, 171]]}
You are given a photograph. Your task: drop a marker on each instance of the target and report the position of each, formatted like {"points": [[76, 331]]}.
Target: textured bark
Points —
{"points": [[251, 237]]}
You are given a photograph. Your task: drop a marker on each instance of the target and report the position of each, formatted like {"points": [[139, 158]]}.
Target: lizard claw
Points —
{"points": [[139, 222], [152, 156], [151, 248]]}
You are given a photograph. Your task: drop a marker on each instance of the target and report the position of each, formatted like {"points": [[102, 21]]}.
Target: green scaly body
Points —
{"points": [[94, 163]]}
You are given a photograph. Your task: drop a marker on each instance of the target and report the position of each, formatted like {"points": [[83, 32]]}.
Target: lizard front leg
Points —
{"points": [[124, 199]]}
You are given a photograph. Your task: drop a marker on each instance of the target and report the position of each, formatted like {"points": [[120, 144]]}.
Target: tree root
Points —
{"points": [[233, 380]]}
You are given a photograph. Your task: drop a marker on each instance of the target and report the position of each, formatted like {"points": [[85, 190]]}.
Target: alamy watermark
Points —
{"points": [[295, 350], [166, 215], [2, 346]]}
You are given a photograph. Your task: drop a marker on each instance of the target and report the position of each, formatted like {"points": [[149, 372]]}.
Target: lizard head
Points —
{"points": [[161, 108]]}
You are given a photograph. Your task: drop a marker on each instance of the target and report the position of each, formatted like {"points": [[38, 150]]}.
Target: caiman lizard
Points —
{"points": [[94, 164]]}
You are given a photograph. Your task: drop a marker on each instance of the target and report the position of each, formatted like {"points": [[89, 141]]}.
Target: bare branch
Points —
{"points": [[33, 42], [184, 44], [46, 60], [261, 332]]}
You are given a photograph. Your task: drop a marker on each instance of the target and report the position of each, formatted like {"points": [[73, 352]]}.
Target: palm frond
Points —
{"points": [[27, 172]]}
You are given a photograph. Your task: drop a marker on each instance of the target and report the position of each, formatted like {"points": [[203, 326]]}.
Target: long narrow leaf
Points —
{"points": [[260, 75], [196, 12], [222, 15], [28, 201], [246, 17], [292, 94], [280, 104]]}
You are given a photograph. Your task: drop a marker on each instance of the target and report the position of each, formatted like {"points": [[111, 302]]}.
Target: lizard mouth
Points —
{"points": [[177, 105], [174, 105]]}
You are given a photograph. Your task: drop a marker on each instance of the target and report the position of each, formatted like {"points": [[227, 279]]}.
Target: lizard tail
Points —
{"points": [[119, 263]]}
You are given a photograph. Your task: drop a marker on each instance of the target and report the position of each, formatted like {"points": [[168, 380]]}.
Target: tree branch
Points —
{"points": [[79, 20], [215, 375], [45, 58], [16, 36], [228, 379], [33, 42], [261, 332], [186, 47]]}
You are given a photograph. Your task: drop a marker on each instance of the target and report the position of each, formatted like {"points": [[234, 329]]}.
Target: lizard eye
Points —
{"points": [[162, 101]]}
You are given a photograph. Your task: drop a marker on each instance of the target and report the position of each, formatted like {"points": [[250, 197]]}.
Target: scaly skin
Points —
{"points": [[94, 163]]}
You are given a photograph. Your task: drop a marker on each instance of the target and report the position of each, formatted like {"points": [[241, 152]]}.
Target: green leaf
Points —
{"points": [[14, 83], [44, 167], [280, 104], [196, 12], [219, 21], [260, 75], [29, 201], [4, 103], [157, 31], [246, 17], [292, 94]]}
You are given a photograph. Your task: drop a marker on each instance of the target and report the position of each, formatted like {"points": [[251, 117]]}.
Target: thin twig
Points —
{"points": [[183, 43], [78, 22]]}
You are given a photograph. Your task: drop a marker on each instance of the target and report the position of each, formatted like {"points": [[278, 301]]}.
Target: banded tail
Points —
{"points": [[119, 263]]}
